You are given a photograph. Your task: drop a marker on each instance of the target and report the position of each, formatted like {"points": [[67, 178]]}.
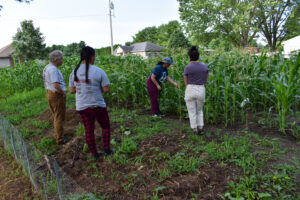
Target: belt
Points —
{"points": [[92, 107], [51, 91]]}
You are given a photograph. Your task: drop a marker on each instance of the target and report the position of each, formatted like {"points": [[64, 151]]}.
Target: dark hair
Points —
{"points": [[193, 53], [85, 55]]}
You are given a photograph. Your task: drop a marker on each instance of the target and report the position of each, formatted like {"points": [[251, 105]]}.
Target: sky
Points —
{"points": [[67, 21]]}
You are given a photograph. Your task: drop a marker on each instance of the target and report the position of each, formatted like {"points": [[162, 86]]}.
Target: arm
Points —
{"points": [[105, 89], [58, 89], [155, 82], [206, 78], [72, 90], [185, 79], [172, 82], [72, 87]]}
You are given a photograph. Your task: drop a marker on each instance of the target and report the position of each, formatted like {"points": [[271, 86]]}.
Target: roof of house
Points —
{"points": [[126, 48], [142, 46], [6, 51]]}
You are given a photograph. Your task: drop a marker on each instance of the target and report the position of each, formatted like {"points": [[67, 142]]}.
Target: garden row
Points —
{"points": [[238, 84]]}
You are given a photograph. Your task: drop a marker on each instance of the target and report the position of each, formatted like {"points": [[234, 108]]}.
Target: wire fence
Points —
{"points": [[45, 174]]}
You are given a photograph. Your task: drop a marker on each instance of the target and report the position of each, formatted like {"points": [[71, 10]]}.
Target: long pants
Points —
{"points": [[88, 117], [57, 105], [195, 98], [153, 95]]}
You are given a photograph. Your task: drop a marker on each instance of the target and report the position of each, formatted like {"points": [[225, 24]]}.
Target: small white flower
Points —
{"points": [[245, 101], [127, 132]]}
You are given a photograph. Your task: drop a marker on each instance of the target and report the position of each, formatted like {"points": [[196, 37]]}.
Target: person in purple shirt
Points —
{"points": [[158, 75], [195, 77]]}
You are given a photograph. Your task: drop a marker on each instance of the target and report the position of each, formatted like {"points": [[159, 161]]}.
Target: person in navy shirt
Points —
{"points": [[158, 75]]}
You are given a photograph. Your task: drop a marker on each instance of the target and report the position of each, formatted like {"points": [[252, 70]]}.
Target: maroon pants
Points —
{"points": [[88, 117], [153, 95]]}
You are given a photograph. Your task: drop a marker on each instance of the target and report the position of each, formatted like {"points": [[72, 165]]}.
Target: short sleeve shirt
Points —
{"points": [[52, 75], [89, 94], [196, 73], [160, 73]]}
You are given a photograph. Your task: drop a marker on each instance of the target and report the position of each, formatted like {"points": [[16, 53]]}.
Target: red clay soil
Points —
{"points": [[14, 185]]}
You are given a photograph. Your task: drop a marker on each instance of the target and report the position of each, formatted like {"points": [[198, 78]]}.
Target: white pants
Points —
{"points": [[195, 98]]}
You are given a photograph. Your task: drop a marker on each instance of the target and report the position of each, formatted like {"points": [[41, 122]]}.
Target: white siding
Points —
{"points": [[153, 54], [291, 45], [141, 53], [4, 62], [119, 50]]}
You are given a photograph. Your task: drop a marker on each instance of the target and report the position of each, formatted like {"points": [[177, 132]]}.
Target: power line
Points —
{"points": [[53, 18]]}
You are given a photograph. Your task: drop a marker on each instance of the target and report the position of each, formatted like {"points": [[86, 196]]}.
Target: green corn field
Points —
{"points": [[238, 84]]}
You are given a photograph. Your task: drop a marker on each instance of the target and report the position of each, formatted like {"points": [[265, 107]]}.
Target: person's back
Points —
{"points": [[55, 93], [195, 77], [196, 73], [89, 94], [52, 75], [89, 82]]}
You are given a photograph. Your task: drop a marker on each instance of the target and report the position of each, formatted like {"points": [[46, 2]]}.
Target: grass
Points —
{"points": [[249, 152]]}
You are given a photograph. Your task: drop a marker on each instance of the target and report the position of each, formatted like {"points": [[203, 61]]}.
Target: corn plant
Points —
{"points": [[268, 82]]}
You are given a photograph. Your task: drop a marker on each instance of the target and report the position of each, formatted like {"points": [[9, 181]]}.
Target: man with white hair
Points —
{"points": [[56, 93]]}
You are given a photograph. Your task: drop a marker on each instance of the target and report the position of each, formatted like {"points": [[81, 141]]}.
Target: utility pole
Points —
{"points": [[111, 6]]}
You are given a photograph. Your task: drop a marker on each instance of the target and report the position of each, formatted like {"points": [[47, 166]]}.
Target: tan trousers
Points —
{"points": [[57, 105]]}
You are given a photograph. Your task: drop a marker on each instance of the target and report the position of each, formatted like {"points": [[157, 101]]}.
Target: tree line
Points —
{"points": [[208, 23], [240, 21]]}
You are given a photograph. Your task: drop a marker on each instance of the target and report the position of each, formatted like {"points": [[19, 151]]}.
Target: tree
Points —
{"points": [[234, 20], [148, 34], [27, 1], [106, 50], [178, 40], [28, 43], [220, 43], [164, 32], [73, 48], [159, 35], [292, 26], [69, 50], [274, 16], [55, 47]]}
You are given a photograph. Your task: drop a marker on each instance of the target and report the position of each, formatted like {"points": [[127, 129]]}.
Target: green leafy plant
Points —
{"points": [[47, 145]]}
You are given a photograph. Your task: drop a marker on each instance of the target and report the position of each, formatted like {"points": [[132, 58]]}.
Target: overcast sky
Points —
{"points": [[67, 21]]}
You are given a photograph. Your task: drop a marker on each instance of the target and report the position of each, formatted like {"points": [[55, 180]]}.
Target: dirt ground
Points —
{"points": [[209, 180], [14, 185]]}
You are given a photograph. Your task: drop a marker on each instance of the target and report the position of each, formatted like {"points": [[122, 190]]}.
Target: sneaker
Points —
{"points": [[64, 141], [160, 114], [194, 130], [156, 116], [109, 152], [98, 155], [201, 132]]}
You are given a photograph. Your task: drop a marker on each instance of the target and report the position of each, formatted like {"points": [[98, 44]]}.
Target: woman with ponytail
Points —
{"points": [[195, 77], [89, 83]]}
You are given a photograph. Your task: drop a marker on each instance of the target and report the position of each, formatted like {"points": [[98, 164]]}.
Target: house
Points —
{"points": [[144, 49], [5, 56], [291, 46]]}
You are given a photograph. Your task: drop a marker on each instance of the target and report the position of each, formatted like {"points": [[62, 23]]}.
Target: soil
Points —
{"points": [[14, 185], [209, 181]]}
